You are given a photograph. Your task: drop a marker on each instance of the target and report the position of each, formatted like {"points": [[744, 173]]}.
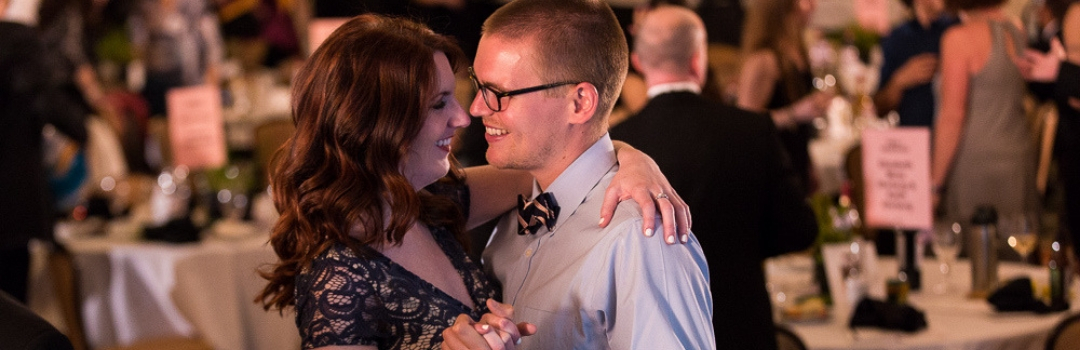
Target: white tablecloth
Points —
{"points": [[141, 290], [954, 321]]}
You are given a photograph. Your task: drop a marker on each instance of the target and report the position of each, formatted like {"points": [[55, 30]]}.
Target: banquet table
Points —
{"points": [[954, 321], [134, 290]]}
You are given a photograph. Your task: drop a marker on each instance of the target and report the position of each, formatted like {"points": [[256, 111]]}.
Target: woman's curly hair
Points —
{"points": [[358, 103]]}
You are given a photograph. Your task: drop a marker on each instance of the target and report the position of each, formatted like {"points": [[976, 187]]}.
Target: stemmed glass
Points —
{"points": [[946, 244], [1021, 233]]}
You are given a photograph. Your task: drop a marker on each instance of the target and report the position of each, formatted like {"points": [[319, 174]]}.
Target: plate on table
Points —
{"points": [[810, 309]]}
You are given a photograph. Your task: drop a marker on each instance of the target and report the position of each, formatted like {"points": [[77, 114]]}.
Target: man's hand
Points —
{"points": [[918, 70], [1042, 67]]}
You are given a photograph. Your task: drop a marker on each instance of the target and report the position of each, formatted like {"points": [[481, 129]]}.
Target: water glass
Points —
{"points": [[946, 244]]}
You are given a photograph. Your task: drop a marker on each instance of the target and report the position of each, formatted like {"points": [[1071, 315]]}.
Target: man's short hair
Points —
{"points": [[579, 40]]}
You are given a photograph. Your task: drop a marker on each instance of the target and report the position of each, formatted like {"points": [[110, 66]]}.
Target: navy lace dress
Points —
{"points": [[344, 299]]}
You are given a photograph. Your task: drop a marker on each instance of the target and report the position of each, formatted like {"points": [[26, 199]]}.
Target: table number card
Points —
{"points": [[840, 258], [320, 29], [196, 127], [896, 174]]}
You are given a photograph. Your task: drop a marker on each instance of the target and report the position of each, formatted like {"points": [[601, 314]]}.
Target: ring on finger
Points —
{"points": [[662, 195]]}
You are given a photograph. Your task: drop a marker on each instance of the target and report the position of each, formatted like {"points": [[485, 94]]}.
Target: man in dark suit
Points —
{"points": [[727, 164]]}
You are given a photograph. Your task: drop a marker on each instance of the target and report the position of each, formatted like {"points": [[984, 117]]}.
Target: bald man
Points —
{"points": [[727, 164]]}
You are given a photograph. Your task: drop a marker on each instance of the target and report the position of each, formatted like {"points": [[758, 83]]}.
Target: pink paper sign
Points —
{"points": [[320, 29], [896, 174], [196, 127]]}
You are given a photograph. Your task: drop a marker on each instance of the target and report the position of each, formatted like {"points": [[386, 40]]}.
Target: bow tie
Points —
{"points": [[541, 211]]}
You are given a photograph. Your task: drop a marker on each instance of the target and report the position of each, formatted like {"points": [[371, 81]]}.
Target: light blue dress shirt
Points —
{"points": [[587, 287]]}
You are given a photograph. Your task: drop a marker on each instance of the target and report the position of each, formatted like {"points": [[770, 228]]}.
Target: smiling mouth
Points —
{"points": [[495, 132], [444, 142]]}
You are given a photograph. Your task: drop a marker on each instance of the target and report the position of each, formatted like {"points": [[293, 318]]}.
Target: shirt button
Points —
{"points": [[528, 252]]}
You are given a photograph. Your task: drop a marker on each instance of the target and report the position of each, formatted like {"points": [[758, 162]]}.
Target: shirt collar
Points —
{"points": [[664, 88], [574, 183]]}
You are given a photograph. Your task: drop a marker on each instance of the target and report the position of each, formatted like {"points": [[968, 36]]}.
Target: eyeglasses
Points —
{"points": [[491, 95]]}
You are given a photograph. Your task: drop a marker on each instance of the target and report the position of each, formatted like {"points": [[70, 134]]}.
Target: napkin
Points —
{"points": [[880, 314], [174, 231], [1017, 295]]}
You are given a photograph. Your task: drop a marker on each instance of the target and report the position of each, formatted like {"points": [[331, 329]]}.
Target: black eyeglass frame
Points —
{"points": [[499, 95]]}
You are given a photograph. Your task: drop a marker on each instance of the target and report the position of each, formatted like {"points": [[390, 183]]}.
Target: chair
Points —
{"points": [[21, 328], [1046, 118], [788, 340], [269, 137], [62, 269], [1066, 335]]}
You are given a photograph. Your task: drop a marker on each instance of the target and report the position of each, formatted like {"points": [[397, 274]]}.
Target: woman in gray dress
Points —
{"points": [[984, 150]]}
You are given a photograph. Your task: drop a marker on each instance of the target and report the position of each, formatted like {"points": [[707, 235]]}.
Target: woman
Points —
{"points": [[369, 257], [776, 77], [982, 139]]}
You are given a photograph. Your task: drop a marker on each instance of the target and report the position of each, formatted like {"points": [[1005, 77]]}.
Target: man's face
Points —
{"points": [[934, 7], [531, 127]]}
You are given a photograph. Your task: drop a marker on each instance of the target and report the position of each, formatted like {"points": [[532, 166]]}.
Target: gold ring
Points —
{"points": [[662, 195]]}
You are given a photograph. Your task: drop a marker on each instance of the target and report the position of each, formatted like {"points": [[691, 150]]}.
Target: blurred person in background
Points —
{"points": [[730, 168], [911, 53], [178, 44], [371, 221], [1061, 67], [981, 137], [31, 95], [776, 77], [62, 24]]}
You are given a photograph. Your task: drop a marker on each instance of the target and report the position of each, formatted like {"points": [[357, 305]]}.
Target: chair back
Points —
{"points": [[1066, 335], [269, 137], [787, 339], [66, 287], [21, 328]]}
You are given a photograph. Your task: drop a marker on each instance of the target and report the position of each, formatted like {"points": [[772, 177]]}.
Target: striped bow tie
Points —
{"points": [[541, 211]]}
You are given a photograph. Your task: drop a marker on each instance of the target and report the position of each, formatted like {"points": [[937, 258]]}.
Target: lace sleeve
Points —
{"points": [[335, 302]]}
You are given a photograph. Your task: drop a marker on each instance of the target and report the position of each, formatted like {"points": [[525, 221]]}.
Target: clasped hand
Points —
{"points": [[495, 330]]}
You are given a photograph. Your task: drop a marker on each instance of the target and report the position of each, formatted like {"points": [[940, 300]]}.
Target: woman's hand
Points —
{"points": [[811, 106], [640, 179], [496, 330]]}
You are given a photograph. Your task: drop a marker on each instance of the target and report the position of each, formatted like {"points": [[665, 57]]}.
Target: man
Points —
{"points": [[548, 74], [728, 165], [911, 61]]}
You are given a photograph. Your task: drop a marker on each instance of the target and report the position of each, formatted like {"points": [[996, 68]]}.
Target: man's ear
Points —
{"points": [[699, 65], [635, 61], [586, 97]]}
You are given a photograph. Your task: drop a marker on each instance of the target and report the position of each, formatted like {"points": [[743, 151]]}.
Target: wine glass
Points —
{"points": [[1021, 233], [946, 245]]}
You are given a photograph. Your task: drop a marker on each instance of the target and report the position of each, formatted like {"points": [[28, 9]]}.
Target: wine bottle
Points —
{"points": [[1058, 271], [907, 252]]}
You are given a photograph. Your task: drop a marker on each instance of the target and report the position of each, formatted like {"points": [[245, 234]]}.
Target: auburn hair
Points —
{"points": [[358, 103]]}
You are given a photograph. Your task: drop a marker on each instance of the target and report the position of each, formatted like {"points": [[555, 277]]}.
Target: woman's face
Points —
{"points": [[426, 160]]}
